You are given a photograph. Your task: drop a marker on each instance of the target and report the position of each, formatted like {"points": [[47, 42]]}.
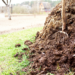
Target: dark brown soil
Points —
{"points": [[18, 73], [11, 74], [52, 52], [25, 69], [27, 42], [18, 45], [16, 55], [25, 49], [19, 55]]}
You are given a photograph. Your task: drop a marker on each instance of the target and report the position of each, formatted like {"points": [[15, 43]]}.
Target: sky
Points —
{"points": [[17, 1]]}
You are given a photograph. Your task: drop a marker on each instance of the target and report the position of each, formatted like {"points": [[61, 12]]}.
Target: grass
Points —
{"points": [[9, 64]]}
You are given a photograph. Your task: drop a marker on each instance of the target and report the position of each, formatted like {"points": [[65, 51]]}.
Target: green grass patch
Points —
{"points": [[9, 64]]}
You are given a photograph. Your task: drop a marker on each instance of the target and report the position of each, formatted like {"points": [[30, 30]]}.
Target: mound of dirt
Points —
{"points": [[52, 53]]}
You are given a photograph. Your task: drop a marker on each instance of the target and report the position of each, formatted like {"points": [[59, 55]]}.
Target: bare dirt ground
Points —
{"points": [[20, 22]]}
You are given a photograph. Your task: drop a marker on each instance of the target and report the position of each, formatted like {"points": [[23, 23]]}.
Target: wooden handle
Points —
{"points": [[63, 15]]}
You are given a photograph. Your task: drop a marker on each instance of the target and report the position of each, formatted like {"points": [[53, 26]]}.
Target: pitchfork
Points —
{"points": [[59, 33]]}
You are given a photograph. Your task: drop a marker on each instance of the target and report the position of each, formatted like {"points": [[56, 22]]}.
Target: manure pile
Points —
{"points": [[52, 53]]}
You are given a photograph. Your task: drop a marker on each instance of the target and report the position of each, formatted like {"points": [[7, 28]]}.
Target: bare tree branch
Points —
{"points": [[10, 0], [7, 1], [4, 2]]}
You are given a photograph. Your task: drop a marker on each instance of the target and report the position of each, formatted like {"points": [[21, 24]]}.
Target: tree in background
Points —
{"points": [[8, 5], [53, 3]]}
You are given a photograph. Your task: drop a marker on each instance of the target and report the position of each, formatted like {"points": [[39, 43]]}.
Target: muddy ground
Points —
{"points": [[20, 22]]}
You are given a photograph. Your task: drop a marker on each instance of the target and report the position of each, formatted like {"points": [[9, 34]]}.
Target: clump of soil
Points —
{"points": [[19, 55], [27, 42], [18, 45], [25, 69], [11, 74], [16, 55], [52, 53], [25, 49]]}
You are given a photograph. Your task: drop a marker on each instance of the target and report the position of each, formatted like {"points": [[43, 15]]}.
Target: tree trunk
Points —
{"points": [[9, 9], [9, 12], [8, 5]]}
